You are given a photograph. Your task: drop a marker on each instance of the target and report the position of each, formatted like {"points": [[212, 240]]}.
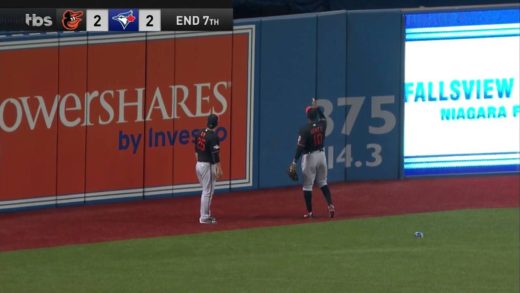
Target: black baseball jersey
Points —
{"points": [[207, 146], [311, 137]]}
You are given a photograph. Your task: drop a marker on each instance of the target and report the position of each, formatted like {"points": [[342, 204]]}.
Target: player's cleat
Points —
{"points": [[308, 215], [210, 220], [332, 210]]}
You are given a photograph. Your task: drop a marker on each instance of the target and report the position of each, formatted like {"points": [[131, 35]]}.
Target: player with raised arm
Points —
{"points": [[208, 169], [311, 139]]}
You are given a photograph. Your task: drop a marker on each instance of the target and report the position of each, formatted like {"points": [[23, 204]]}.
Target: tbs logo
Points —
{"points": [[35, 20]]}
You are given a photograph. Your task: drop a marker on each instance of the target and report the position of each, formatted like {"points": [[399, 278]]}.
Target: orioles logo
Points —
{"points": [[71, 19]]}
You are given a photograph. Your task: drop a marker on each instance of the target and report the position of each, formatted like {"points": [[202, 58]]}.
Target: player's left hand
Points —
{"points": [[218, 172]]}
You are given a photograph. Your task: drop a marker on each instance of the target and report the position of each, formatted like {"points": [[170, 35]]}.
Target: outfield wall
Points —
{"points": [[103, 117]]}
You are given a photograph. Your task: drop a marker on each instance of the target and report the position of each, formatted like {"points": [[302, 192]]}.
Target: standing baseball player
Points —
{"points": [[311, 139], [208, 168]]}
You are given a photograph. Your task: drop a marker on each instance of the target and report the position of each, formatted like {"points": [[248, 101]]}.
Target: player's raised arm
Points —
{"points": [[319, 109]]}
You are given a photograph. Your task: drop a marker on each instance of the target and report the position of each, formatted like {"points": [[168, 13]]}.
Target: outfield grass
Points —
{"points": [[462, 251]]}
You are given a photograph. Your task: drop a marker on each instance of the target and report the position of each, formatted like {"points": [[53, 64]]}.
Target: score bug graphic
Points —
{"points": [[123, 19]]}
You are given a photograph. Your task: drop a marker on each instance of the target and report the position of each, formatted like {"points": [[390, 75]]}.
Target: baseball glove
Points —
{"points": [[291, 171]]}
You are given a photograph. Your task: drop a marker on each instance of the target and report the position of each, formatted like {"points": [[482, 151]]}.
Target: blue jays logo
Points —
{"points": [[123, 20]]}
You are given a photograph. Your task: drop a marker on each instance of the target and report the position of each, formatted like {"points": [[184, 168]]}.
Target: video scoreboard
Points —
{"points": [[116, 19]]}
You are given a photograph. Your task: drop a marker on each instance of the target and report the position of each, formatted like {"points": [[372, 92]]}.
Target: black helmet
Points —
{"points": [[212, 121], [312, 114]]}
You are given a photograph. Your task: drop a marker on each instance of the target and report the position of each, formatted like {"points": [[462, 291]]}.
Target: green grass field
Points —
{"points": [[462, 251]]}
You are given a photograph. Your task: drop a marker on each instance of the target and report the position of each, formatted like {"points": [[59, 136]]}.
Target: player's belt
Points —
{"points": [[310, 152]]}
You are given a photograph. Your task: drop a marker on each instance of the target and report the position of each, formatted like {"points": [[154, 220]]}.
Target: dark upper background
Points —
{"points": [[259, 8], [252, 8]]}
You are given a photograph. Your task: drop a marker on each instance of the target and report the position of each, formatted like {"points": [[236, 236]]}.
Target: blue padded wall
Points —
{"points": [[374, 81], [287, 83], [331, 84]]}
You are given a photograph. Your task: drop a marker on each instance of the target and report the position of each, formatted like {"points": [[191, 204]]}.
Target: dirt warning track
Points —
{"points": [[261, 208]]}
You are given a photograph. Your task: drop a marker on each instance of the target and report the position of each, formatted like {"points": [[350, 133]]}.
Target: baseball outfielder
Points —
{"points": [[208, 168], [314, 164]]}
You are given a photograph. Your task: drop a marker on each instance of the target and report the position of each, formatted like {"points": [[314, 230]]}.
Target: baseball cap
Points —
{"points": [[312, 113], [212, 120]]}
